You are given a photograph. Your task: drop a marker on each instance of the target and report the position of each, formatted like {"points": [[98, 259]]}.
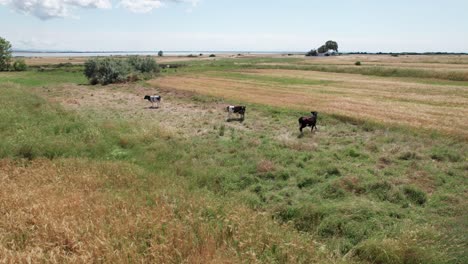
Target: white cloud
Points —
{"points": [[141, 6], [47, 9], [146, 6]]}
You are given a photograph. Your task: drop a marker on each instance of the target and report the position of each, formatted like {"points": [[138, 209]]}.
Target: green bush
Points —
{"points": [[19, 65], [357, 63], [143, 65], [114, 70], [312, 53]]}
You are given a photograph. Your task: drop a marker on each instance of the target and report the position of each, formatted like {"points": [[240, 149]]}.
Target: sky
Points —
{"points": [[235, 25]]}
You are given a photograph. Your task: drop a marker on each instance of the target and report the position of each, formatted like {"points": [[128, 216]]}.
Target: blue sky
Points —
{"points": [[262, 25]]}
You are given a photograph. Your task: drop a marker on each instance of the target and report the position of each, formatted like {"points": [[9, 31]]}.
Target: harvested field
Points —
{"points": [[388, 100], [38, 61]]}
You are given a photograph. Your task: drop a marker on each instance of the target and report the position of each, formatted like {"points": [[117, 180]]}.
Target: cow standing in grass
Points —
{"points": [[236, 109], [153, 99], [306, 121]]}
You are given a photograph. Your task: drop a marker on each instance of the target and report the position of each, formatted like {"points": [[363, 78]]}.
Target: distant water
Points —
{"points": [[123, 53]]}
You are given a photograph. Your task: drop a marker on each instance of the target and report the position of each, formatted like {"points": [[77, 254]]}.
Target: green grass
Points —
{"points": [[362, 189], [35, 78]]}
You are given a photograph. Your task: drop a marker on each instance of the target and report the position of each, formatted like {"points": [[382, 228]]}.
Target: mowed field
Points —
{"points": [[92, 174]]}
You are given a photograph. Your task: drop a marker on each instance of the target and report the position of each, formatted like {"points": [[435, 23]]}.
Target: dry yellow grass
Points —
{"points": [[388, 100], [407, 60], [73, 210], [35, 61]]}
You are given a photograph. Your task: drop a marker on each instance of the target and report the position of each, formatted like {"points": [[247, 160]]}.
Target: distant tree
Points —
{"points": [[5, 54], [331, 45], [212, 56], [312, 52], [160, 53], [322, 49]]}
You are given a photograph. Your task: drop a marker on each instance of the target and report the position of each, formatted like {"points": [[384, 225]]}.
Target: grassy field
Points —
{"points": [[89, 173]]}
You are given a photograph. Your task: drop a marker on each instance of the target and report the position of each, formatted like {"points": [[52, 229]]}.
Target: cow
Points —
{"points": [[153, 99], [306, 121], [236, 109]]}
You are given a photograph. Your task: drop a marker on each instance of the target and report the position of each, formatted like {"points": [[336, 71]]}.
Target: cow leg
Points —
{"points": [[301, 127]]}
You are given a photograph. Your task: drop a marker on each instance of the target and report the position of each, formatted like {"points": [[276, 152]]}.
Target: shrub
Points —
{"points": [[312, 53], [212, 56], [114, 70], [357, 63], [106, 71], [19, 65], [143, 64]]}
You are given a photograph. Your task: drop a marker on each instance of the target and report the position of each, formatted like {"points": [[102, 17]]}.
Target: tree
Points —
{"points": [[5, 54], [322, 49], [160, 53], [312, 52], [331, 45]]}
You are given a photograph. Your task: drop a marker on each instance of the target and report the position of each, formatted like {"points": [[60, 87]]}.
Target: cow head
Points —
{"points": [[147, 97], [314, 113]]}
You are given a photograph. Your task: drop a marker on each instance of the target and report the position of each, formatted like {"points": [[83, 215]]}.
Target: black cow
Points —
{"points": [[306, 121], [236, 109]]}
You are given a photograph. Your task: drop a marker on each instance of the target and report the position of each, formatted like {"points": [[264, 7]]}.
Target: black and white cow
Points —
{"points": [[236, 109], [308, 121], [153, 99]]}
